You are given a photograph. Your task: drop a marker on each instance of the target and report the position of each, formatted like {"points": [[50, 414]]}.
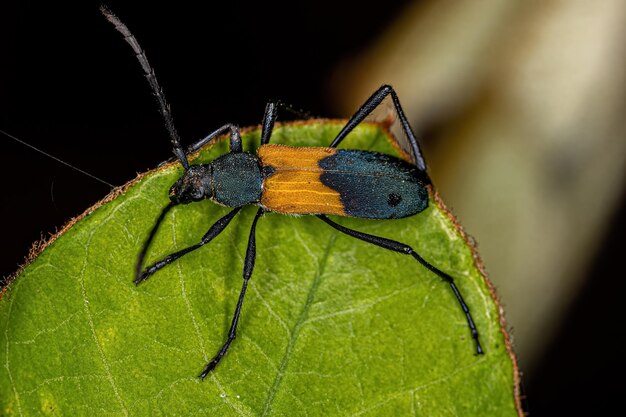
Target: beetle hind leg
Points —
{"points": [[407, 250], [368, 107]]}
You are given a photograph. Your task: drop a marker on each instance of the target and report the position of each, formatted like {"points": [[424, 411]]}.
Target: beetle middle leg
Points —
{"points": [[407, 250], [248, 267], [269, 118]]}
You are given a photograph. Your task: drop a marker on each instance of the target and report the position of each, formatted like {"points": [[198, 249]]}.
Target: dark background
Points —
{"points": [[70, 85]]}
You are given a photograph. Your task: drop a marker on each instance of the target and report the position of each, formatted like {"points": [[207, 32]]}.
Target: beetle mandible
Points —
{"points": [[327, 180]]}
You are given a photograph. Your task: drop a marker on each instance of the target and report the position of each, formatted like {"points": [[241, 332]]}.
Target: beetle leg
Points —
{"points": [[248, 266], [271, 111], [369, 106], [235, 138], [217, 228], [407, 250]]}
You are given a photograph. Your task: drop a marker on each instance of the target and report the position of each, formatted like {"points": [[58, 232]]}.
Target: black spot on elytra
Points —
{"points": [[394, 199], [373, 185]]}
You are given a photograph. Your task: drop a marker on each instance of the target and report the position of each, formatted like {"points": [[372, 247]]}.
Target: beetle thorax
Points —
{"points": [[236, 179]]}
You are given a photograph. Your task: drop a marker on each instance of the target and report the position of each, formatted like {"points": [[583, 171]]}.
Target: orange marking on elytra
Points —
{"points": [[297, 171]]}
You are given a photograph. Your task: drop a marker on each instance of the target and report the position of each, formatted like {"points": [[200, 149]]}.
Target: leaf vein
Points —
{"points": [[89, 316], [6, 365], [298, 326], [196, 326]]}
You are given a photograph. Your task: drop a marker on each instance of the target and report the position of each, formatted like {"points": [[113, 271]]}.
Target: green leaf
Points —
{"points": [[330, 325]]}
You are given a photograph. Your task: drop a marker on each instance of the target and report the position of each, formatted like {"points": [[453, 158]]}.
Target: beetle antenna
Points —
{"points": [[151, 77]]}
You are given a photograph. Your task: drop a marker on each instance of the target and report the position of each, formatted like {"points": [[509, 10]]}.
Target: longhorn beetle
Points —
{"points": [[327, 180]]}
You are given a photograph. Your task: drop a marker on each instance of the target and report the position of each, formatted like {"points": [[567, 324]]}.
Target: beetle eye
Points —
{"points": [[198, 194]]}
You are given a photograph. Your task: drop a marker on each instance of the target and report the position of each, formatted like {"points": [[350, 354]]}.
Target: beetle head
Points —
{"points": [[194, 185]]}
